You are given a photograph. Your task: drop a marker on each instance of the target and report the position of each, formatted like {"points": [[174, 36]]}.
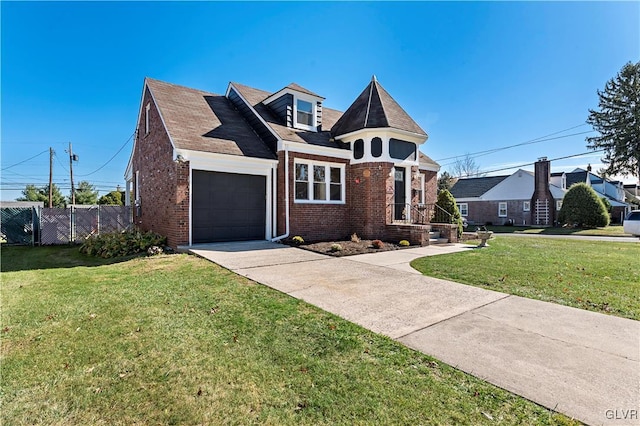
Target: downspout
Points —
{"points": [[286, 195]]}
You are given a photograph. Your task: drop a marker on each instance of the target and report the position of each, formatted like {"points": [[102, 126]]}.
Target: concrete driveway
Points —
{"points": [[583, 364]]}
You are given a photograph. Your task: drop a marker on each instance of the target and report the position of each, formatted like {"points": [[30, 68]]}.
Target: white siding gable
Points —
{"points": [[518, 186]]}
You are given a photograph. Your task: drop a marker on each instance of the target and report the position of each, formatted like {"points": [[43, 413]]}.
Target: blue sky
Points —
{"points": [[475, 76]]}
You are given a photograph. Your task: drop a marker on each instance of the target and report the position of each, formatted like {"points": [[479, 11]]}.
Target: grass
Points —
{"points": [[594, 275], [607, 231], [178, 340]]}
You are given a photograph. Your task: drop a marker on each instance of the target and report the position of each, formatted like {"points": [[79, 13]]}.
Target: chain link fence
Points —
{"points": [[49, 226]]}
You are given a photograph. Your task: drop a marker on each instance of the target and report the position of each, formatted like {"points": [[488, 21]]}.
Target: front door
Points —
{"points": [[400, 195]]}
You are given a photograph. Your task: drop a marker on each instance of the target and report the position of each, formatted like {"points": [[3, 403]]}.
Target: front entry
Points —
{"points": [[400, 195]]}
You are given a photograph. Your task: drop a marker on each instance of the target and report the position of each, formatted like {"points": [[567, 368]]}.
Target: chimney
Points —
{"points": [[542, 202]]}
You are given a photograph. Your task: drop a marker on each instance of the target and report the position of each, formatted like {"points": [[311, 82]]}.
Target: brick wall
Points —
{"points": [[370, 192], [430, 186], [164, 184], [313, 222], [482, 212]]}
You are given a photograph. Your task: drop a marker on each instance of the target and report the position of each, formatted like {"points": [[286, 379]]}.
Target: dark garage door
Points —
{"points": [[228, 207]]}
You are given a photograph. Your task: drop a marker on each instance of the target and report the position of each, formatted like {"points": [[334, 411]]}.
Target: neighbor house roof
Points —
{"points": [[203, 121], [474, 187], [329, 116], [375, 108], [576, 177]]}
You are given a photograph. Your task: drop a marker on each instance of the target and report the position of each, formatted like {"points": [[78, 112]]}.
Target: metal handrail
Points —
{"points": [[417, 214], [409, 213]]}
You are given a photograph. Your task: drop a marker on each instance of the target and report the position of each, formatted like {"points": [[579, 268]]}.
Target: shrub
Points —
{"points": [[297, 240], [336, 247], [119, 244], [583, 208], [355, 238], [447, 203], [377, 244], [404, 243]]}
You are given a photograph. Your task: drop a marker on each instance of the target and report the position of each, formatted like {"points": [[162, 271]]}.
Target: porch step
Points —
{"points": [[434, 238], [433, 241]]}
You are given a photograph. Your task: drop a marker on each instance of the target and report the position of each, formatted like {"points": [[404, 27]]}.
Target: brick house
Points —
{"points": [[526, 198], [251, 164]]}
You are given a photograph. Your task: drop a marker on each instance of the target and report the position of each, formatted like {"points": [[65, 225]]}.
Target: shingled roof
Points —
{"points": [[203, 121], [474, 187], [329, 116], [375, 108], [425, 160]]}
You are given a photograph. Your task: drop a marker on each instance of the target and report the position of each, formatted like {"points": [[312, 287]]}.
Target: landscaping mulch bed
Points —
{"points": [[349, 248]]}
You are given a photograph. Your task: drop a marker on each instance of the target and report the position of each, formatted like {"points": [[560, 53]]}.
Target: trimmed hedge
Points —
{"points": [[583, 208], [120, 244]]}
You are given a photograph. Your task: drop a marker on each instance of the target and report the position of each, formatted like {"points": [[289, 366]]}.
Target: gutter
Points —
{"points": [[286, 195]]}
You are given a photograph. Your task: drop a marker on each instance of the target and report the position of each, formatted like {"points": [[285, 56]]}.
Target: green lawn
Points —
{"points": [[178, 340], [607, 231], [594, 275]]}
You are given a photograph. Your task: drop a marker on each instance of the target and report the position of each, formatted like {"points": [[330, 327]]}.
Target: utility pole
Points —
{"points": [[50, 177], [72, 158]]}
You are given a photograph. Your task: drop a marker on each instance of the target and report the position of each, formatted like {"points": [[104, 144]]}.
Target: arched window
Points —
{"points": [[376, 147], [358, 149]]}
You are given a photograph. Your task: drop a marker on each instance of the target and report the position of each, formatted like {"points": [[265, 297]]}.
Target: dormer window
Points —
{"points": [[297, 107], [305, 113]]}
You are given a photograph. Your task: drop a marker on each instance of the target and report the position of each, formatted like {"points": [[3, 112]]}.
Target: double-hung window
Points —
{"points": [[319, 182], [526, 206], [502, 209], [304, 115], [464, 209]]}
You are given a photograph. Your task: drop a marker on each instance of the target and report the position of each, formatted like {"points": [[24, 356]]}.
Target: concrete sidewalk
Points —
{"points": [[583, 364]]}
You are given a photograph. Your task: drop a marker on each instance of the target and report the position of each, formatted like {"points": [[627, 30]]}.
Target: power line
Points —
{"points": [[28, 159], [60, 163], [110, 159], [531, 141], [483, 153], [530, 164]]}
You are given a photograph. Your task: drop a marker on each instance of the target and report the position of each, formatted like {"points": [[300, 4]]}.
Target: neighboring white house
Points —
{"points": [[500, 200]]}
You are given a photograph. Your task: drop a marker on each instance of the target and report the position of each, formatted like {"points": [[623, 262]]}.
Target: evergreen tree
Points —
{"points": [[86, 193], [618, 122], [113, 198], [34, 193], [447, 203], [445, 181], [583, 208]]}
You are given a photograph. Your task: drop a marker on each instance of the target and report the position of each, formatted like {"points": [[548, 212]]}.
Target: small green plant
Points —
{"points": [[336, 247], [297, 240], [118, 244], [377, 244], [355, 238], [404, 243]]}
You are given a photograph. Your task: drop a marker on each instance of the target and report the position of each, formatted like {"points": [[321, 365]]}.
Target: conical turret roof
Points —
{"points": [[375, 108]]}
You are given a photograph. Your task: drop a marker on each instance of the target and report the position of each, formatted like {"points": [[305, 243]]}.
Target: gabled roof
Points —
{"points": [[474, 187], [426, 161], [203, 121], [329, 116], [375, 108], [298, 88]]}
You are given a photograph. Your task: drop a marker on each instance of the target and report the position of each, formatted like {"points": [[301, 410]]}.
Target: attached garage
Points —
{"points": [[228, 206]]}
